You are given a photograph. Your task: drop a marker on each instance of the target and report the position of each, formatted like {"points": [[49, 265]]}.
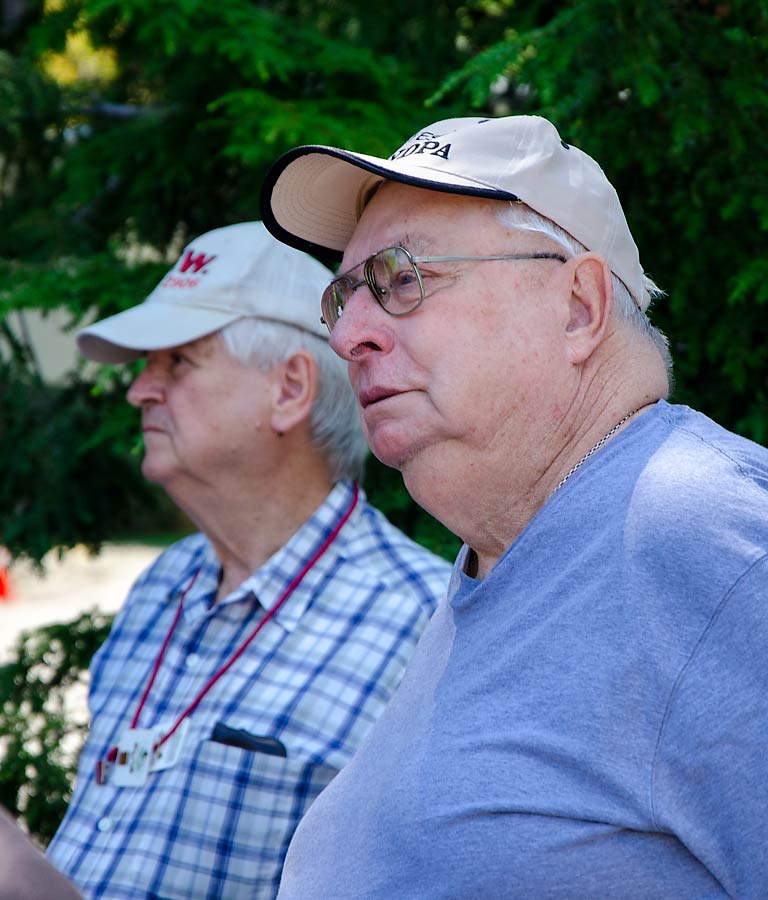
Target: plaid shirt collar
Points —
{"points": [[265, 586]]}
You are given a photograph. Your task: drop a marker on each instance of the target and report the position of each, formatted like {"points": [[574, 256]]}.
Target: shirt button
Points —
{"points": [[104, 824], [192, 661]]}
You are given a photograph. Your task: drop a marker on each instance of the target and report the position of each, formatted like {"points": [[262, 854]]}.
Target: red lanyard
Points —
{"points": [[239, 652]]}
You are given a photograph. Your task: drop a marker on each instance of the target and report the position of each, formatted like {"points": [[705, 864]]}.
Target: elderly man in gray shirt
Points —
{"points": [[587, 714]]}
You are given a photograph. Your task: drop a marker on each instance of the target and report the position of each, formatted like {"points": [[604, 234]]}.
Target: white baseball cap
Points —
{"points": [[313, 196], [224, 275]]}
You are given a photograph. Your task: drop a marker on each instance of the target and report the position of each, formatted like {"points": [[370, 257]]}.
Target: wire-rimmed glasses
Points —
{"points": [[393, 276]]}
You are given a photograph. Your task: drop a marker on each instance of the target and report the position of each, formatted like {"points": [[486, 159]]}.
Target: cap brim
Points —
{"points": [[310, 197], [149, 326]]}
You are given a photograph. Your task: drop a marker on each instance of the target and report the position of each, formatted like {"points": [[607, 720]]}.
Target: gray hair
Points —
{"points": [[517, 215], [334, 422]]}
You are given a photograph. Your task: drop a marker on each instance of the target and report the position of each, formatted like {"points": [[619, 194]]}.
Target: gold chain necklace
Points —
{"points": [[598, 445]]}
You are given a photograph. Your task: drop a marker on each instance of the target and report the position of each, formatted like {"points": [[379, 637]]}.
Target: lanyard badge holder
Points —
{"points": [[141, 751]]}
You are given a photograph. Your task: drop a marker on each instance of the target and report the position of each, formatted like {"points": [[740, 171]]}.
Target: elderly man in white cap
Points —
{"points": [[250, 659], [587, 714]]}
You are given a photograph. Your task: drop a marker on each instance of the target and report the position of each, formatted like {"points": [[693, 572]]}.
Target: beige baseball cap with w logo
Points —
{"points": [[224, 275], [313, 195]]}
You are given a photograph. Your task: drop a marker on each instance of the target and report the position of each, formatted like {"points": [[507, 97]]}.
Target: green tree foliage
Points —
{"points": [[202, 100], [672, 100], [43, 719], [68, 474], [160, 125], [56, 433]]}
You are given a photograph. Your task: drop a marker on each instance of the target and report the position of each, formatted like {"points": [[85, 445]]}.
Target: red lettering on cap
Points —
{"points": [[195, 261], [173, 281]]}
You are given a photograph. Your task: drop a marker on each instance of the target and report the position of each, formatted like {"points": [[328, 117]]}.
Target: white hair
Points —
{"points": [[517, 215], [334, 422]]}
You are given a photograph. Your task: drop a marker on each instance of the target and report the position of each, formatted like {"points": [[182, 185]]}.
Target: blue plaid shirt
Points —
{"points": [[218, 823]]}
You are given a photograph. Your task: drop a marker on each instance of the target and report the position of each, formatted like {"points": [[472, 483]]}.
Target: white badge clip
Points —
{"points": [[168, 753], [134, 755]]}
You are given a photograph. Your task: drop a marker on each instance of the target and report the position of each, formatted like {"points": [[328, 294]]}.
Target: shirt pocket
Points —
{"points": [[244, 807]]}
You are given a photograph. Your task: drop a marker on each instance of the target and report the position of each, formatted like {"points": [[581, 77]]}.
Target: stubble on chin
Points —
{"points": [[403, 457], [399, 441]]}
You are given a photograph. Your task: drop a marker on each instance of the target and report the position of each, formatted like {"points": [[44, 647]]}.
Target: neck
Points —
{"points": [[498, 531], [495, 497], [249, 522]]}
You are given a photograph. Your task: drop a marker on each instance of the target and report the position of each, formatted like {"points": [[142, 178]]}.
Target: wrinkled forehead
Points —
{"points": [[423, 221]]}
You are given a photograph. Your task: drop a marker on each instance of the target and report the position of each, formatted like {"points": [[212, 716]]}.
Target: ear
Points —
{"points": [[294, 387], [590, 306]]}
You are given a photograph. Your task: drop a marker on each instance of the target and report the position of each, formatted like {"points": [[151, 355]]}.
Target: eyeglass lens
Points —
{"points": [[392, 277], [395, 280]]}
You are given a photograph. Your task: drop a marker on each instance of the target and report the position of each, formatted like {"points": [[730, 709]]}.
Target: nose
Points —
{"points": [[147, 387], [363, 327]]}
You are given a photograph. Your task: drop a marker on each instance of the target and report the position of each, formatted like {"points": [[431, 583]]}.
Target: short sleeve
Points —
{"points": [[710, 783]]}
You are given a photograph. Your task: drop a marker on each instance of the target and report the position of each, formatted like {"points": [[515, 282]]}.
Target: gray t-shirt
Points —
{"points": [[589, 721]]}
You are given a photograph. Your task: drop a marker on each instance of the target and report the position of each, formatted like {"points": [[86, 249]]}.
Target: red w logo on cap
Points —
{"points": [[195, 261]]}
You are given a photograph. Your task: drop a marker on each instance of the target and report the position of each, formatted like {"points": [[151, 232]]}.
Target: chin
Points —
{"points": [[155, 472], [398, 451], [393, 462], [393, 452]]}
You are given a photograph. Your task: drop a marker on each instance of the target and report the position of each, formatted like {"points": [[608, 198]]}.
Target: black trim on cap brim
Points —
{"points": [[293, 240]]}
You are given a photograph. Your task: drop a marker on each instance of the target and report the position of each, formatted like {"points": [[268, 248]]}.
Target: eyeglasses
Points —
{"points": [[395, 281]]}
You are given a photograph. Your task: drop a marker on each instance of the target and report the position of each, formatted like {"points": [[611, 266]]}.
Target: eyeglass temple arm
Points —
{"points": [[559, 256]]}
